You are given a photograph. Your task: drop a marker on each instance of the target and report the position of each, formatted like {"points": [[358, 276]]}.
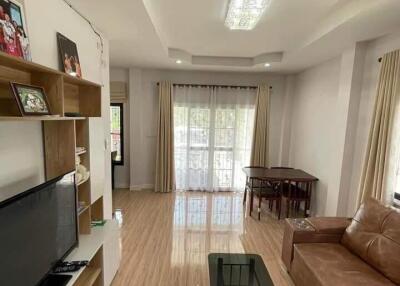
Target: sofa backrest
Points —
{"points": [[374, 235]]}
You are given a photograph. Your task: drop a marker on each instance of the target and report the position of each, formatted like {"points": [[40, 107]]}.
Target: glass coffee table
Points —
{"points": [[229, 269]]}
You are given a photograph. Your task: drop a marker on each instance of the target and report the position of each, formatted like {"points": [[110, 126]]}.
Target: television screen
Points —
{"points": [[38, 228]]}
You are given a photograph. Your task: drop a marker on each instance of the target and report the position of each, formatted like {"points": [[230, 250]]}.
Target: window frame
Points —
{"points": [[121, 108]]}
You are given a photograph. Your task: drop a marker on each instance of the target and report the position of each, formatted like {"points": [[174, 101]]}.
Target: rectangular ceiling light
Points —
{"points": [[245, 14]]}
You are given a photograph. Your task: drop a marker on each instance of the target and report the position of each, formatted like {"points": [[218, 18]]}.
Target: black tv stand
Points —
{"points": [[56, 280]]}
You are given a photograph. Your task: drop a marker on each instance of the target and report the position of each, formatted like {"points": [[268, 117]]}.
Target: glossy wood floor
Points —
{"points": [[166, 238]]}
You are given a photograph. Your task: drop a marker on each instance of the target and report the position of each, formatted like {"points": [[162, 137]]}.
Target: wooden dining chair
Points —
{"points": [[271, 194], [251, 183], [283, 168], [281, 186], [297, 192]]}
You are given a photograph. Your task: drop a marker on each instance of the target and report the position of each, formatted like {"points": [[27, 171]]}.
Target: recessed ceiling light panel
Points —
{"points": [[267, 64], [245, 14], [178, 62]]}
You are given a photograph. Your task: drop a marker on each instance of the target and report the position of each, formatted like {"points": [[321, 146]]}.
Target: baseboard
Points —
{"points": [[122, 186], [143, 187]]}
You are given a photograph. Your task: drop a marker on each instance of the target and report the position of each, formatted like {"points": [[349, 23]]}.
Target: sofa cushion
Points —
{"points": [[374, 235], [332, 264]]}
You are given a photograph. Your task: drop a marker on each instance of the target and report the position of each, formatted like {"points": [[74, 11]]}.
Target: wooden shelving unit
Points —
{"points": [[65, 93], [39, 118], [61, 134], [92, 247], [61, 137]]}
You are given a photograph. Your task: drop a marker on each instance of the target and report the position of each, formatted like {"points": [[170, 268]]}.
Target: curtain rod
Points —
{"points": [[214, 85]]}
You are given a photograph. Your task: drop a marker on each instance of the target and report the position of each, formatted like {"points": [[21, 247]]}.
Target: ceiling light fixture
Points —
{"points": [[267, 65], [178, 62], [245, 14]]}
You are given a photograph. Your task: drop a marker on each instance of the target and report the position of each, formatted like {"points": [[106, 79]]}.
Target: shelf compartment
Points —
{"points": [[97, 208], [82, 99], [92, 275], [82, 134], [84, 222], [88, 277], [84, 194], [51, 83]]}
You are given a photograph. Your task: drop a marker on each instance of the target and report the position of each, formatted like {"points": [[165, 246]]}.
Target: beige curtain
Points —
{"points": [[377, 154], [165, 177], [260, 146]]}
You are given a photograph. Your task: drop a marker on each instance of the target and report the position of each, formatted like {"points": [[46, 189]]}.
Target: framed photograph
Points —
{"points": [[31, 100], [69, 59], [13, 35]]}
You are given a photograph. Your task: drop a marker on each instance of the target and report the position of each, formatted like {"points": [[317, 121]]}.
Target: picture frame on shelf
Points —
{"points": [[68, 55], [31, 100], [14, 38]]}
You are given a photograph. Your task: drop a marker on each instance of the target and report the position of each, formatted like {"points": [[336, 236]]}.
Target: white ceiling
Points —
{"points": [[153, 33]]}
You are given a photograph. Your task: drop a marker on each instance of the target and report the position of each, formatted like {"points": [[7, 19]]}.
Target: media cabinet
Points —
{"points": [[61, 136]]}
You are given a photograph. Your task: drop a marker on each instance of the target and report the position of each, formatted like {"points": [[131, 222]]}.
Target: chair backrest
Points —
{"points": [[256, 167], [299, 188], [282, 168], [374, 235]]}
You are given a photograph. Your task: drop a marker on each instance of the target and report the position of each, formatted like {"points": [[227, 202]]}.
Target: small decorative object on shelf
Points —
{"points": [[31, 100], [69, 58], [82, 173], [13, 38], [80, 150], [98, 222]]}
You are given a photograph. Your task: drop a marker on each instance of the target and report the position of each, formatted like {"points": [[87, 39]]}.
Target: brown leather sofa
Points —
{"points": [[364, 250]]}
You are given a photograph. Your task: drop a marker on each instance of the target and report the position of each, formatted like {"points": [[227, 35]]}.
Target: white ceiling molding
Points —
{"points": [[222, 61], [268, 58], [178, 54], [308, 32]]}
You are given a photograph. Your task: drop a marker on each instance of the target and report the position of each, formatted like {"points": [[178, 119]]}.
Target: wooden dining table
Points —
{"points": [[274, 175]]}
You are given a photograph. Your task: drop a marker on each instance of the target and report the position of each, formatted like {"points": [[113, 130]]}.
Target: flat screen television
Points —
{"points": [[38, 229]]}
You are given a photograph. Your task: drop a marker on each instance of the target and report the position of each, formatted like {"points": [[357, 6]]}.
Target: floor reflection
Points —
{"points": [[166, 238], [205, 223]]}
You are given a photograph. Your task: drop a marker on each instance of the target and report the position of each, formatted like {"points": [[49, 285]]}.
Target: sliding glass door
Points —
{"points": [[213, 129]]}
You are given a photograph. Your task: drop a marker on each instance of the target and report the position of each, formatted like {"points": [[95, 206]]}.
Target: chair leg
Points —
{"points": [[244, 196], [259, 208], [271, 204], [251, 194], [306, 206], [278, 206], [287, 207], [293, 208]]}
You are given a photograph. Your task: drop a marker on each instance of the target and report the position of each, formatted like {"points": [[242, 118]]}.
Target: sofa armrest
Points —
{"points": [[311, 230]]}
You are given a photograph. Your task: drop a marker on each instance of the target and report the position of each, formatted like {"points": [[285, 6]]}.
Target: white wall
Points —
{"points": [[374, 50], [143, 102], [122, 173], [314, 98], [44, 19], [331, 108], [21, 153]]}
